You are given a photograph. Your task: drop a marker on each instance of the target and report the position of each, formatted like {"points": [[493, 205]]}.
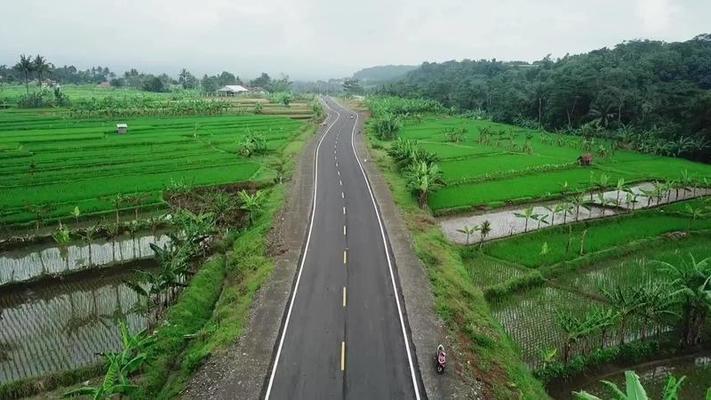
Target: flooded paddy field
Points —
{"points": [[54, 326]]}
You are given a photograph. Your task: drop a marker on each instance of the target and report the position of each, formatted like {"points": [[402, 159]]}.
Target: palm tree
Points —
{"points": [[252, 204], [41, 67], [527, 214], [468, 230], [692, 280], [423, 178], [26, 66], [634, 389], [484, 230]]}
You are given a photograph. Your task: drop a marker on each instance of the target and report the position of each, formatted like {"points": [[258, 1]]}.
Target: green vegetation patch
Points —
{"points": [[565, 242]]}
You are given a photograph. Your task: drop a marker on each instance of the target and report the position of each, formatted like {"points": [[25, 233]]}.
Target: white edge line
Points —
{"points": [[390, 266], [303, 258]]}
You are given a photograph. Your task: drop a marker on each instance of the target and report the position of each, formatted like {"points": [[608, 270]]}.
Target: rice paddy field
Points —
{"points": [[495, 172], [52, 163], [530, 316], [533, 280]]}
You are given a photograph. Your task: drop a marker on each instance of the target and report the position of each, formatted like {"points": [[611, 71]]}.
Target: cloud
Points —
{"points": [[327, 38]]}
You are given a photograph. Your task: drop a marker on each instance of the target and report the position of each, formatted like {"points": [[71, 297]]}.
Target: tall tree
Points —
{"points": [[26, 66]]}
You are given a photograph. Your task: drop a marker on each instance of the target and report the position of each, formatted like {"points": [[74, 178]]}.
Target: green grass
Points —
{"points": [[639, 266], [601, 235], [518, 189], [54, 161]]}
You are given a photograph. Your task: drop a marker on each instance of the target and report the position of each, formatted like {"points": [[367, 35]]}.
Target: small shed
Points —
{"points": [[121, 129], [585, 160], [232, 90]]}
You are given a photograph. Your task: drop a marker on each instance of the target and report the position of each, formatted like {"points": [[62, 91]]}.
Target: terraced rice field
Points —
{"points": [[497, 172], [64, 326], [50, 164], [40, 261]]}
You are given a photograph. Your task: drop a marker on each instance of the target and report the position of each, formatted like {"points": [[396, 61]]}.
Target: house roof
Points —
{"points": [[233, 88], [121, 125]]}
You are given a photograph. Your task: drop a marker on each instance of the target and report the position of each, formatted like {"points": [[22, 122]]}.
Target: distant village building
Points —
{"points": [[232, 90], [121, 129], [104, 85]]}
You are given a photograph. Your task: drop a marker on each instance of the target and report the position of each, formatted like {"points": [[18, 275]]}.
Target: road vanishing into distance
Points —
{"points": [[345, 335]]}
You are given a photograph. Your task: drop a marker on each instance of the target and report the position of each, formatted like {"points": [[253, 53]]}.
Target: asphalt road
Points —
{"points": [[344, 335]]}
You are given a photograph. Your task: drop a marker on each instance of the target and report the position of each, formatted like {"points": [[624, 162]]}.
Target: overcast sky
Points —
{"points": [[310, 39]]}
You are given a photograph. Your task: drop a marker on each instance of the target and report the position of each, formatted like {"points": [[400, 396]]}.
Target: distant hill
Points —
{"points": [[383, 73]]}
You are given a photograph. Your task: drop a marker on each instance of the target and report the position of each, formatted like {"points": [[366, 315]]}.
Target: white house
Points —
{"points": [[231, 90]]}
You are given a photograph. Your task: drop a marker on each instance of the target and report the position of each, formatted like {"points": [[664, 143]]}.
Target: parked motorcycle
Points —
{"points": [[440, 359]]}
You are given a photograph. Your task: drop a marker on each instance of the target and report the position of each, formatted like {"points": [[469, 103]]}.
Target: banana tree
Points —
{"points": [[692, 283], [527, 214], [631, 197], [252, 204], [624, 301], [634, 389], [468, 230], [424, 178], [578, 202]]}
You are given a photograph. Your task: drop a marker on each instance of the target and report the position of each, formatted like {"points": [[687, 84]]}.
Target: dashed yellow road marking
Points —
{"points": [[343, 356]]}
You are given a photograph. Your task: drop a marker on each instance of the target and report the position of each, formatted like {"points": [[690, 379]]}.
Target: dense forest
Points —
{"points": [[654, 95]]}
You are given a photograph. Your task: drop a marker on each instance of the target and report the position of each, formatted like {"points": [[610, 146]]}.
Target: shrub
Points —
{"points": [[387, 126]]}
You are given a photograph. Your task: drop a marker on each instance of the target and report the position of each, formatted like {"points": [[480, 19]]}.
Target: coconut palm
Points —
{"points": [[423, 178], [468, 230], [484, 230], [26, 66], [41, 67], [634, 389], [692, 281]]}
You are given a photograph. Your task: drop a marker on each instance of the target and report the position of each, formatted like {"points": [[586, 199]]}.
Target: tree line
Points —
{"points": [[659, 91], [29, 69]]}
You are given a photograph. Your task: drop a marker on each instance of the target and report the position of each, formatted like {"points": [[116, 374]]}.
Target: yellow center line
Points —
{"points": [[345, 256], [344, 296], [343, 356]]}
